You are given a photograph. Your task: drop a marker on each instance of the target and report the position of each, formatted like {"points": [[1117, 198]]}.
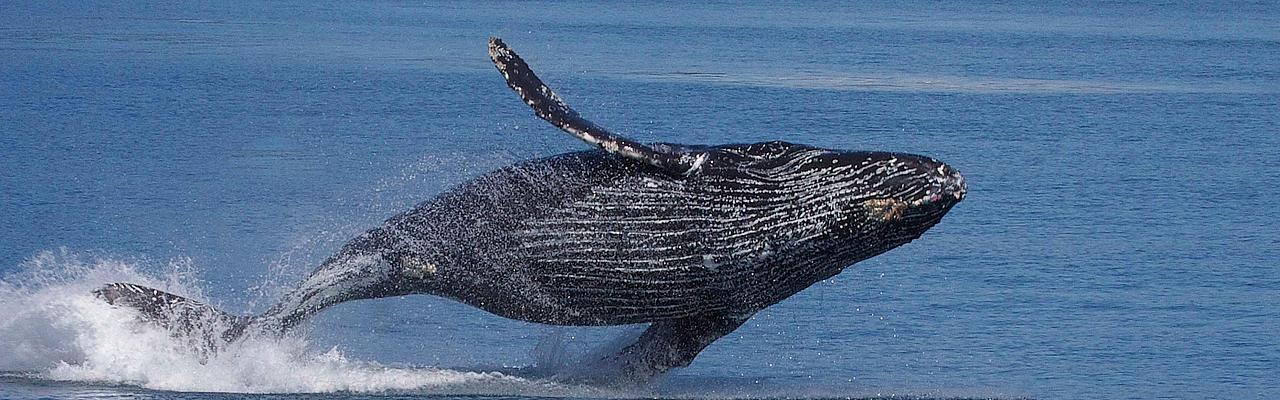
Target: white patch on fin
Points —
{"points": [[550, 107]]}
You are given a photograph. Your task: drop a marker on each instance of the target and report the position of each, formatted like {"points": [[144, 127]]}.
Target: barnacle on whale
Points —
{"points": [[886, 209]]}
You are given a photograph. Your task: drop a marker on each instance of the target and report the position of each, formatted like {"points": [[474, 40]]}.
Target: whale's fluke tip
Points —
{"points": [[176, 313]]}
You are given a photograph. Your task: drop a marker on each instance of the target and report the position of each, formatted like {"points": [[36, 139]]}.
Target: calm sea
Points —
{"points": [[1119, 239]]}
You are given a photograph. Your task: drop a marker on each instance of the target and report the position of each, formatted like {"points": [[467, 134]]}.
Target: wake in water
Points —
{"points": [[52, 327]]}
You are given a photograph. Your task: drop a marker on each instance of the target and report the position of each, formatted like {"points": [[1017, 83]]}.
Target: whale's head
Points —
{"points": [[845, 206], [894, 185], [887, 199]]}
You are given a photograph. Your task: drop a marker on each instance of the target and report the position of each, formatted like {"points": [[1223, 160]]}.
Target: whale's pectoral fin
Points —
{"points": [[677, 160], [178, 314], [673, 344]]}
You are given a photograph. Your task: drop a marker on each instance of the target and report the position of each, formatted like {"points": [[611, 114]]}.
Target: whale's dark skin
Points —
{"points": [[692, 239]]}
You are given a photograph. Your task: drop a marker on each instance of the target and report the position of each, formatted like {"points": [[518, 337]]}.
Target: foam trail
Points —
{"points": [[53, 328]]}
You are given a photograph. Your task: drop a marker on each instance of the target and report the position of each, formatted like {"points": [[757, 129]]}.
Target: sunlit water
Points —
{"points": [[1118, 240]]}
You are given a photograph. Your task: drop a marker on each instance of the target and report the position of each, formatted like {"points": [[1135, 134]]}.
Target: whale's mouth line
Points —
{"points": [[891, 209], [928, 199], [933, 197]]}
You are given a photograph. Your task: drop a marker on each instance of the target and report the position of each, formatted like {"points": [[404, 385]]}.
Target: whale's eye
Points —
{"points": [[885, 209]]}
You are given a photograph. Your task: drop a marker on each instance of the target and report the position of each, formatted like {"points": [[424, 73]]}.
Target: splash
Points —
{"points": [[53, 328]]}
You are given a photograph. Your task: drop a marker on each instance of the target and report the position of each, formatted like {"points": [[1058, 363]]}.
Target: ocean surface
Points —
{"points": [[1119, 239]]}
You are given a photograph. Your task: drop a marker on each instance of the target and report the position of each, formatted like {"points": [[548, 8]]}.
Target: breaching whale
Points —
{"points": [[691, 239]]}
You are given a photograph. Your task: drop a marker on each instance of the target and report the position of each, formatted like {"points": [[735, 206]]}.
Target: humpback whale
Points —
{"points": [[691, 239]]}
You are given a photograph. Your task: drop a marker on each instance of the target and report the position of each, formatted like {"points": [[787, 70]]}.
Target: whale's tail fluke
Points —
{"points": [[351, 275], [213, 328]]}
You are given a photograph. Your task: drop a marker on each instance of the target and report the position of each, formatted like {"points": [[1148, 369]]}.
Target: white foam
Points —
{"points": [[52, 326]]}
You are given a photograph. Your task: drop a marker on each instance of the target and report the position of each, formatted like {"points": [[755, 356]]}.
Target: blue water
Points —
{"points": [[1118, 241]]}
